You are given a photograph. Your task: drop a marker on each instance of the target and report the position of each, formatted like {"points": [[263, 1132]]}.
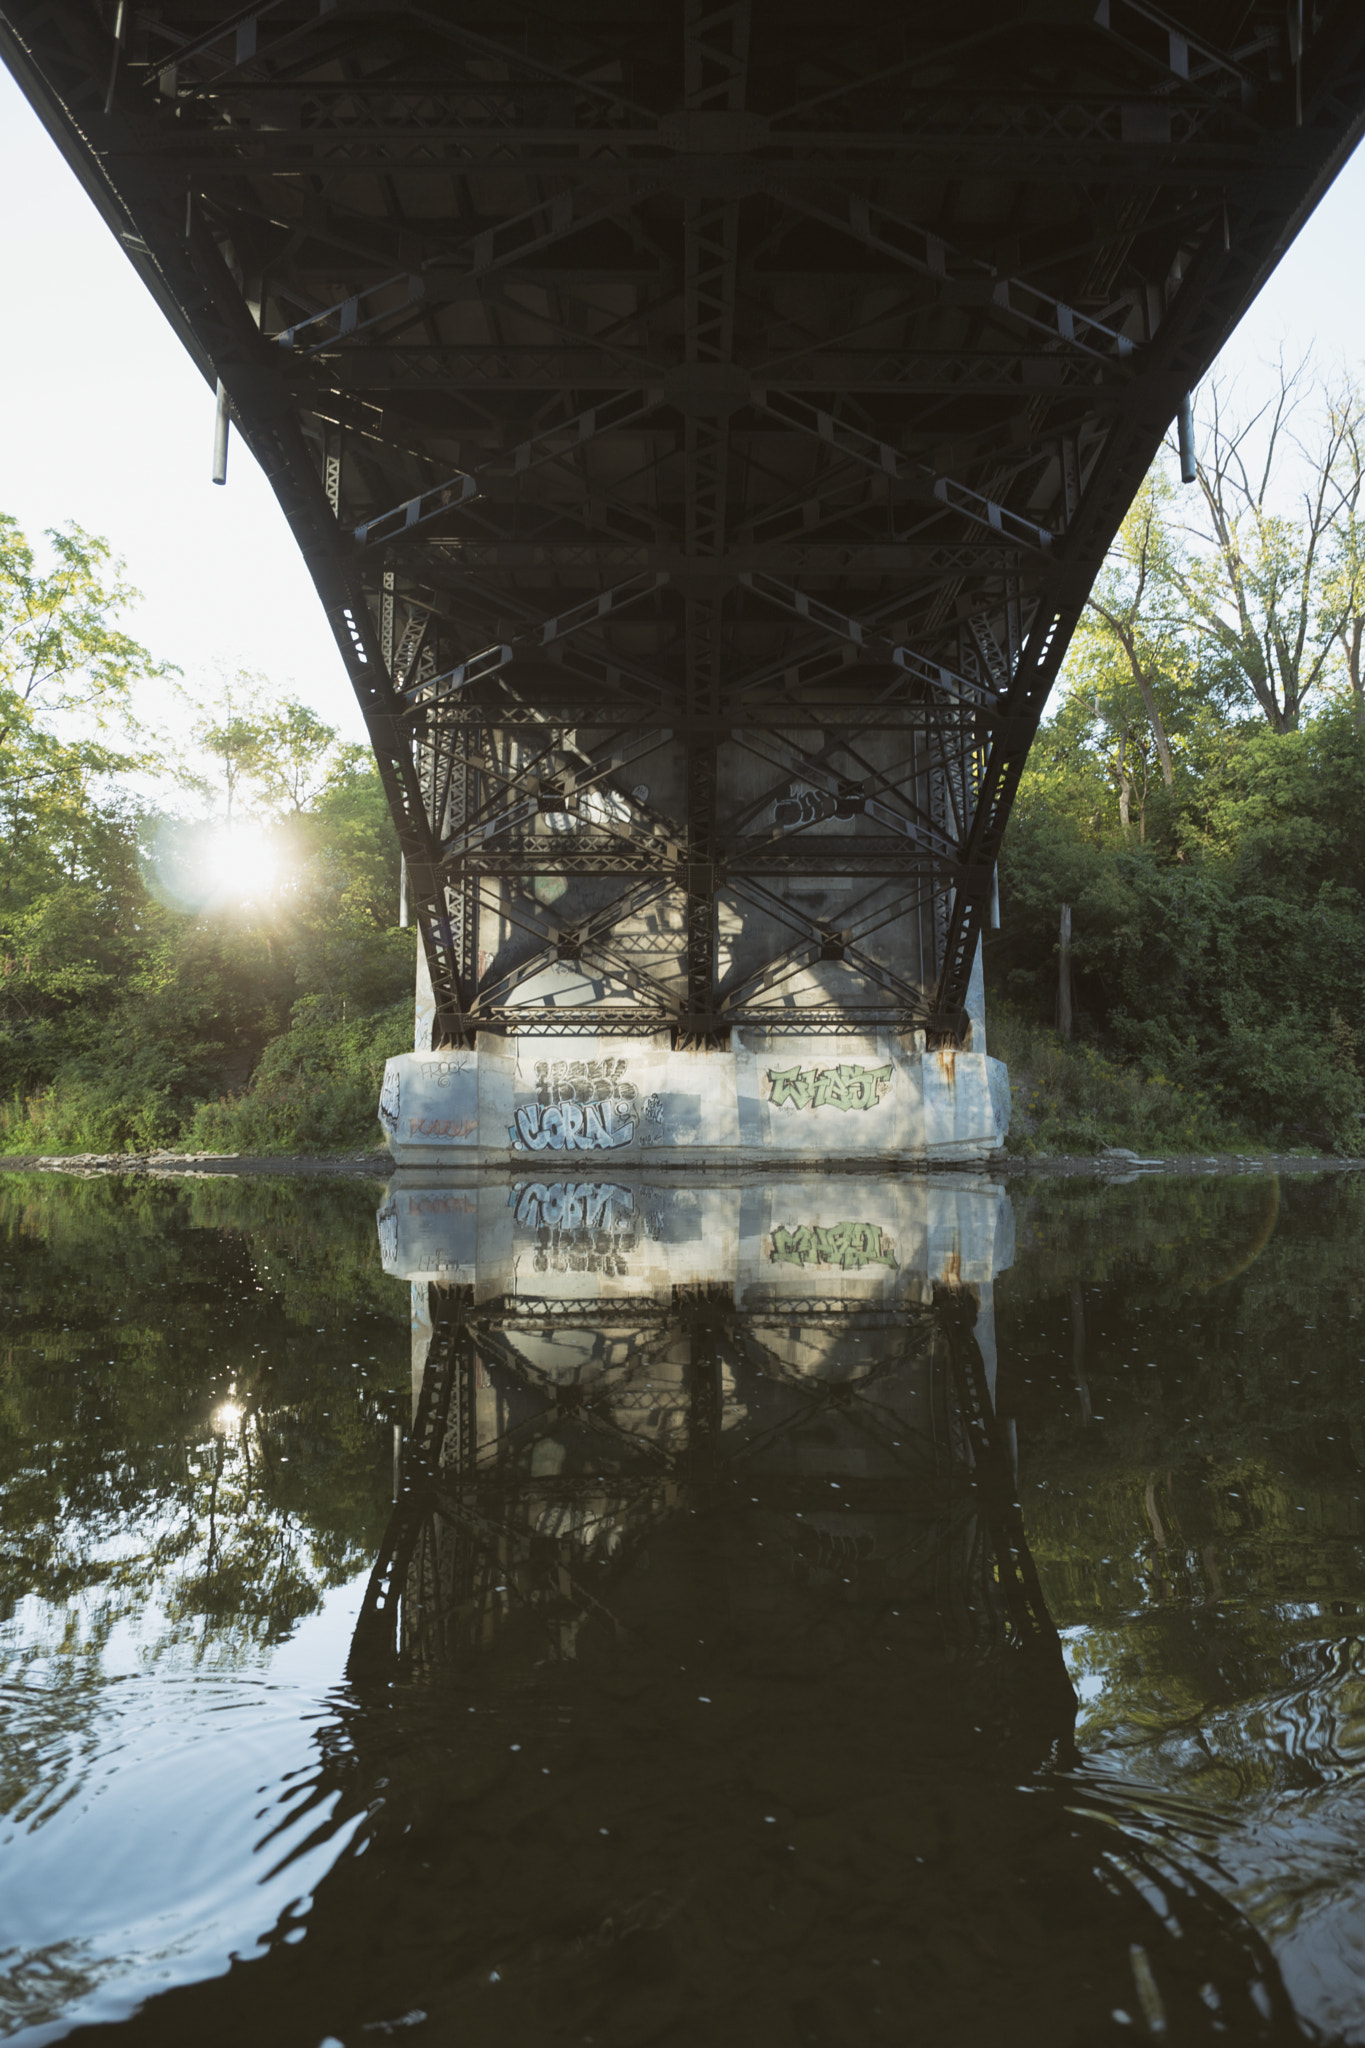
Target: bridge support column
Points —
{"points": [[546, 1101]]}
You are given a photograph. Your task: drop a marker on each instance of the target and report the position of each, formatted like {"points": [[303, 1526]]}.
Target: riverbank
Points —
{"points": [[1115, 1164]]}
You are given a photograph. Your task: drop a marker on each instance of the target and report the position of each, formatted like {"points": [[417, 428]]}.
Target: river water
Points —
{"points": [[830, 1613]]}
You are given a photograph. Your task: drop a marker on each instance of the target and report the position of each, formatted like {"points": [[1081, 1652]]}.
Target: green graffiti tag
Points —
{"points": [[845, 1245], [842, 1087]]}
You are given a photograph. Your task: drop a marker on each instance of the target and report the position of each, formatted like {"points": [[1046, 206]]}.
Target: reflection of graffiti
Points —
{"points": [[842, 1087], [830, 1550], [388, 1099], [836, 1244], [809, 807], [442, 1126], [440, 1205], [388, 1236], [564, 1252], [580, 1106], [573, 1204], [581, 1226]]}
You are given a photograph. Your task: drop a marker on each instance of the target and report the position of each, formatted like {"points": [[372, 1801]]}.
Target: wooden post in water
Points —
{"points": [[1078, 1353], [1064, 974]]}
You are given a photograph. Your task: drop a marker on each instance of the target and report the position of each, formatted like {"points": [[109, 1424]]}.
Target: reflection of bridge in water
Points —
{"points": [[709, 1521], [599, 1370], [704, 1688], [811, 1359]]}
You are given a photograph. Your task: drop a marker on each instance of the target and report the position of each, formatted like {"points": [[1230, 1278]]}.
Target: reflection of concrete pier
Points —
{"points": [[858, 1236]]}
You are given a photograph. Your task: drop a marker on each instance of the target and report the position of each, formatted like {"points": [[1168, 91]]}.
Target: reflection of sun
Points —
{"points": [[1258, 1239], [244, 863], [227, 1415]]}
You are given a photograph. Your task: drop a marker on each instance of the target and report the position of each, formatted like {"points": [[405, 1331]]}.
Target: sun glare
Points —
{"points": [[245, 865], [215, 867]]}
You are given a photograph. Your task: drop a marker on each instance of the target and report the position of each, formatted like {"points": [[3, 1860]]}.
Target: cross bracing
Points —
{"points": [[702, 423]]}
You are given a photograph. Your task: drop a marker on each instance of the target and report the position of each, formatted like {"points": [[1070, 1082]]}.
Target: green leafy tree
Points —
{"points": [[1130, 602], [68, 674], [276, 758], [130, 1005], [61, 649]]}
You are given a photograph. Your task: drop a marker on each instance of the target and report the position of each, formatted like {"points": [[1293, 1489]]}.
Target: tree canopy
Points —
{"points": [[1196, 795], [169, 914]]}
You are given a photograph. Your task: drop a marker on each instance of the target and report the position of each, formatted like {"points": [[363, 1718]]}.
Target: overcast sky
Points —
{"points": [[104, 420]]}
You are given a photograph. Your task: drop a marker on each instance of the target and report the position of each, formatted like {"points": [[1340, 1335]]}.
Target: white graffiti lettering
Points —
{"points": [[441, 1072], [585, 1106], [581, 1226], [573, 1127]]}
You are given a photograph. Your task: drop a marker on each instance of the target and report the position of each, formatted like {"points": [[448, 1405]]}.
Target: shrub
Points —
{"points": [[316, 1086], [1074, 1098]]}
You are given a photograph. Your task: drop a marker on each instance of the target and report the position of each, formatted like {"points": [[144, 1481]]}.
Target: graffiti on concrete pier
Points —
{"points": [[442, 1126], [388, 1099], [841, 1087], [573, 1127], [585, 1106], [805, 806]]}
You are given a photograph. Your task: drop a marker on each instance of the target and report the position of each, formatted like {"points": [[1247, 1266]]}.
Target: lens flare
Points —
{"points": [[222, 868]]}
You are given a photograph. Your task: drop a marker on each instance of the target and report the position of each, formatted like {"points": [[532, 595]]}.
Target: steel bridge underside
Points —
{"points": [[703, 425]]}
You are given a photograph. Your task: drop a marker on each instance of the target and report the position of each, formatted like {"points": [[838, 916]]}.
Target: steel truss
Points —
{"points": [[703, 426]]}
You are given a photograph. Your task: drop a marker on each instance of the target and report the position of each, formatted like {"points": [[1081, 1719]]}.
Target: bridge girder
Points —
{"points": [[703, 424]]}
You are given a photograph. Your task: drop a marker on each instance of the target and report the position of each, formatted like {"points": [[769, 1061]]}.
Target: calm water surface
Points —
{"points": [[934, 1622]]}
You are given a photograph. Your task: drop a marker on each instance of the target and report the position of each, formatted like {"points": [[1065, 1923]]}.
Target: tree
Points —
{"points": [[1131, 598], [1345, 583], [300, 758], [67, 676], [61, 651], [276, 756], [1257, 581]]}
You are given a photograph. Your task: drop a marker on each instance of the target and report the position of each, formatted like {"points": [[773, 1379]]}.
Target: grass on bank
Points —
{"points": [[314, 1089]]}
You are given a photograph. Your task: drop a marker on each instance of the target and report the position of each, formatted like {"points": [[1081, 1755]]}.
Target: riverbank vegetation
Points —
{"points": [[1196, 800], [199, 943]]}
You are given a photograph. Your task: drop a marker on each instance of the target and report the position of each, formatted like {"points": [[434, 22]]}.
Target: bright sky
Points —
{"points": [[104, 420]]}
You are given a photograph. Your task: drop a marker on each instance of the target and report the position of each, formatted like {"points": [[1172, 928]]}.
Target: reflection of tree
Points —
{"points": [[246, 1563], [1202, 1546], [132, 1312], [1211, 1282]]}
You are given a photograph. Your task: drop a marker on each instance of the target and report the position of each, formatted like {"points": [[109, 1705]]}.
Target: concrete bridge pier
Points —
{"points": [[773, 1093]]}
